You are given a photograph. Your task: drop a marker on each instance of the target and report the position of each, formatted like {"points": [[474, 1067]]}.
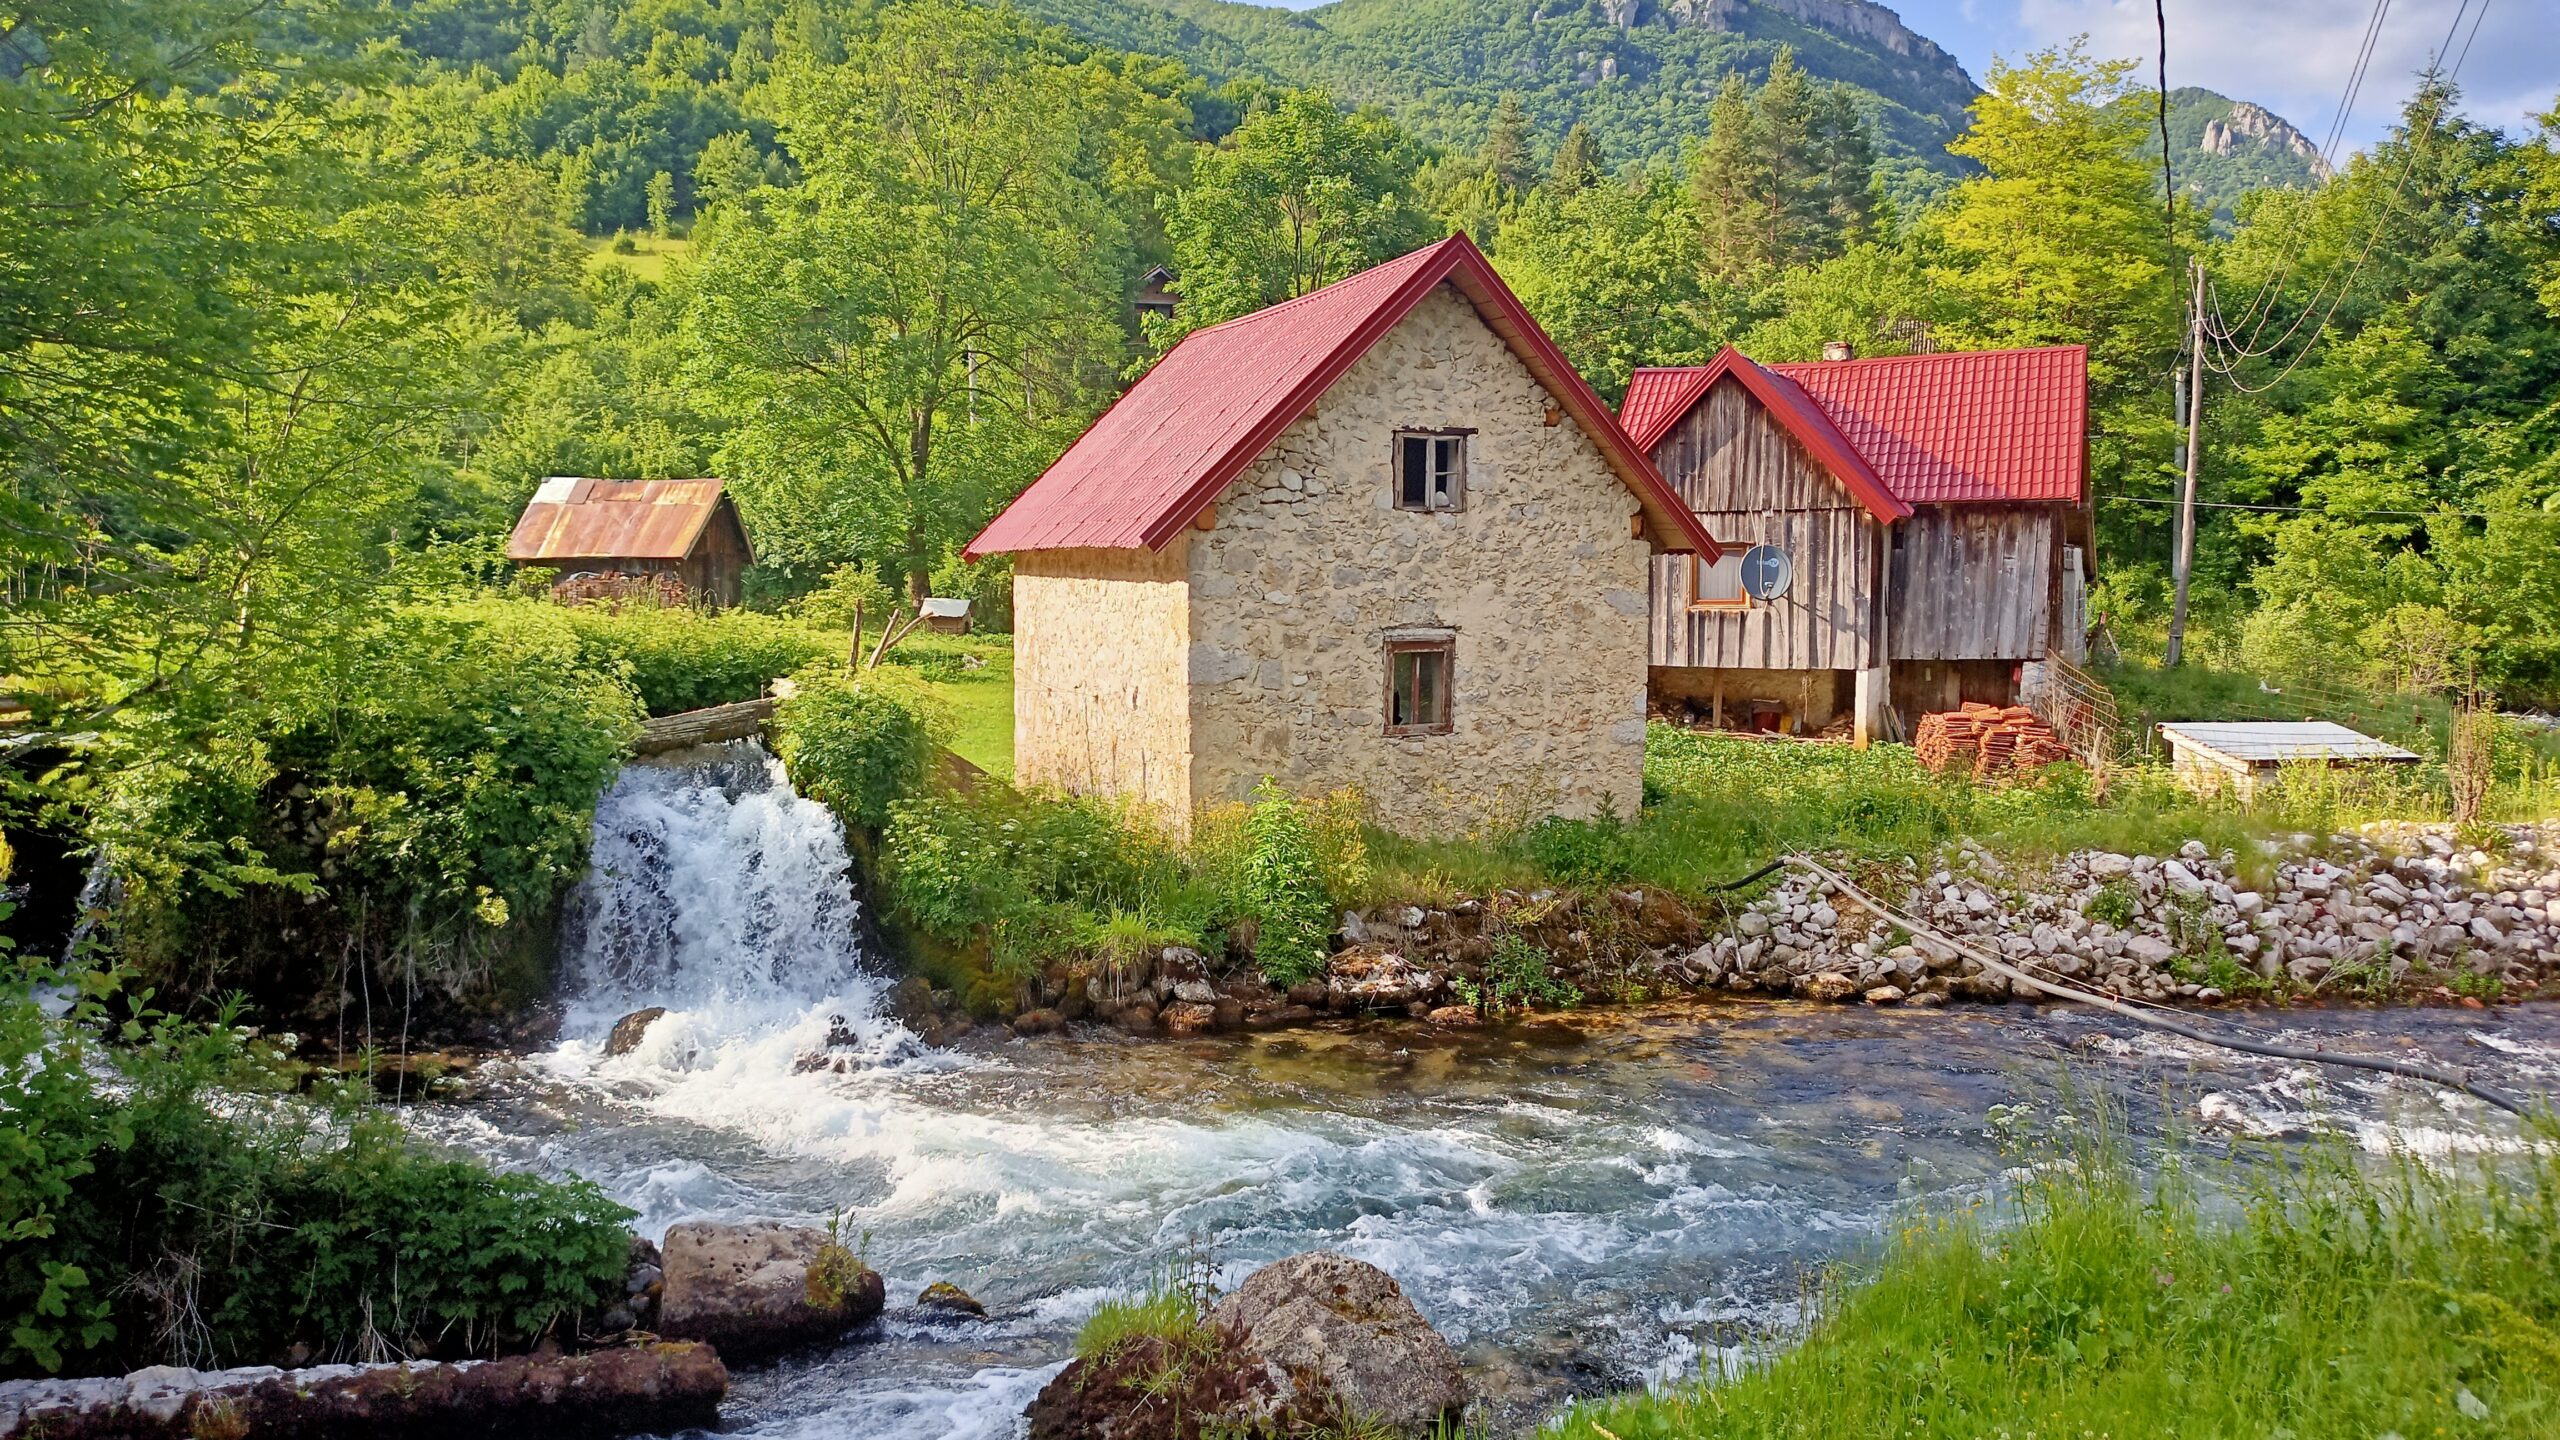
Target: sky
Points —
{"points": [[2292, 56]]}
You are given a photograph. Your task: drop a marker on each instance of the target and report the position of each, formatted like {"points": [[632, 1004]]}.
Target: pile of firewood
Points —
{"points": [[1988, 740]]}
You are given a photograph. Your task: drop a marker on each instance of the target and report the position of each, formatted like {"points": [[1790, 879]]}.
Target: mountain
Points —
{"points": [[1639, 73], [2221, 148]]}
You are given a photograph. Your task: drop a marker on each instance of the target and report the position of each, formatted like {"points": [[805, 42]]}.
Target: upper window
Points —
{"points": [[1418, 686], [1718, 586], [1431, 470]]}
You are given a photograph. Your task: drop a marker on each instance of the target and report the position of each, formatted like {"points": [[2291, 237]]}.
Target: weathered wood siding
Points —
{"points": [[1751, 483], [1976, 582]]}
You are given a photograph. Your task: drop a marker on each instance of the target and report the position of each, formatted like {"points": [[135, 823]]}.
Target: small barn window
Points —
{"points": [[1718, 585], [1418, 686], [1431, 470]]}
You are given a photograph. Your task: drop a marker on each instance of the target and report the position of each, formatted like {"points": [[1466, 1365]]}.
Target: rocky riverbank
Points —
{"points": [[2397, 913]]}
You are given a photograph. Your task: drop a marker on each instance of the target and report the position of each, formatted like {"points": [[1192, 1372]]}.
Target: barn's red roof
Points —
{"points": [[1966, 427], [571, 518], [1182, 434]]}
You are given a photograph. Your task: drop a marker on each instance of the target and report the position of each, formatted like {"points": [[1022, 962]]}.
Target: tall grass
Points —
{"points": [[2334, 1299]]}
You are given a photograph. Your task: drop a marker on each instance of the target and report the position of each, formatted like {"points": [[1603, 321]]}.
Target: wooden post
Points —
{"points": [[1715, 716]]}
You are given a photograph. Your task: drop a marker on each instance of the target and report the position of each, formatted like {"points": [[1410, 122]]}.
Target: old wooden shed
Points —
{"points": [[688, 529], [1932, 510]]}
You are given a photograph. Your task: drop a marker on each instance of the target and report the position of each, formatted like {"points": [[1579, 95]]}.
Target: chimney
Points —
{"points": [[1838, 350]]}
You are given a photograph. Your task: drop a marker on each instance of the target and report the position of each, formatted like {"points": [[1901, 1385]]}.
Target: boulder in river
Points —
{"points": [[757, 1288], [653, 1388], [944, 1300], [1301, 1345], [630, 1029]]}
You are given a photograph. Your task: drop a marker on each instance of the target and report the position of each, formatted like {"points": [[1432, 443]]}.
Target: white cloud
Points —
{"points": [[2295, 56]]}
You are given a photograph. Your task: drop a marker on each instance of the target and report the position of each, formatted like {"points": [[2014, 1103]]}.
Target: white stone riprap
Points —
{"points": [[2396, 911]]}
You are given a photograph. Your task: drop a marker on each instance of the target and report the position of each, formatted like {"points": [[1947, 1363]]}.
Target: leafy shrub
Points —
{"points": [[1283, 889], [2116, 903], [858, 742], [144, 1224], [850, 591], [434, 774], [1517, 973], [681, 659], [987, 584], [1032, 869], [1580, 853]]}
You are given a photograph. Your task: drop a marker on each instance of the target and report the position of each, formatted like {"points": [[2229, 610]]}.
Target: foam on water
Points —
{"points": [[1592, 1218]]}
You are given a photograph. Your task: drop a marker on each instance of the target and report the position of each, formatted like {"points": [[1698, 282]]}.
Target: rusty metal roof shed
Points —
{"points": [[571, 518]]}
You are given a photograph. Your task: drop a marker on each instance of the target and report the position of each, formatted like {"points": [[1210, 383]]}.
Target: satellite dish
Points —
{"points": [[1766, 572]]}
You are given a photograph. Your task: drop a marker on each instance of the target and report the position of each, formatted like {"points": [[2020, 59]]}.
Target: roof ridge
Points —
{"points": [[1925, 355], [1319, 292]]}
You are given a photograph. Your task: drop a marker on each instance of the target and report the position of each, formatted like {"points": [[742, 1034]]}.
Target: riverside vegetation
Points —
{"points": [[2313, 1294]]}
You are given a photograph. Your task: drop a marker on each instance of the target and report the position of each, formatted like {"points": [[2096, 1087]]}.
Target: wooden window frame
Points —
{"points": [[1697, 572], [1447, 649], [1456, 434]]}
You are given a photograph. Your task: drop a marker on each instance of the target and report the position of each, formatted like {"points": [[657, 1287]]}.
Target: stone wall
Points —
{"points": [[1310, 569], [1099, 689]]}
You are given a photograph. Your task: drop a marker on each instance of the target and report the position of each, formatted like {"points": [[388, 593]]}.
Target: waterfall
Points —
{"points": [[718, 894]]}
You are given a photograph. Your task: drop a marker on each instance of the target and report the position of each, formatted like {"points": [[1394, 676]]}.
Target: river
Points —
{"points": [[1580, 1203]]}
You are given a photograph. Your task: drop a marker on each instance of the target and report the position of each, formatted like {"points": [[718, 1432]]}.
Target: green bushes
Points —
{"points": [[1283, 889], [432, 777], [857, 742], [1024, 879], [2333, 1299], [142, 1224], [680, 658]]}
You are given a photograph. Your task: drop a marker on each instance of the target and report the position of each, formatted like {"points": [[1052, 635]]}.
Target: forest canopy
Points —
{"points": [[301, 299]]}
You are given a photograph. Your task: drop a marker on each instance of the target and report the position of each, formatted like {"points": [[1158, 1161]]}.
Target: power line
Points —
{"points": [[2168, 179], [2229, 367], [2272, 288]]}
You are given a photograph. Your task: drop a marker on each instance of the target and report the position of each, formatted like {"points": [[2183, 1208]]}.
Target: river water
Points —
{"points": [[1581, 1204]]}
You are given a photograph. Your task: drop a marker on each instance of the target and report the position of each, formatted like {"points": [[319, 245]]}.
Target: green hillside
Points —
{"points": [[1639, 73]]}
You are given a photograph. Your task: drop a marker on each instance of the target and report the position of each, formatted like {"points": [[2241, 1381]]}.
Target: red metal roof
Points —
{"points": [[1211, 407], [577, 519], [1966, 427]]}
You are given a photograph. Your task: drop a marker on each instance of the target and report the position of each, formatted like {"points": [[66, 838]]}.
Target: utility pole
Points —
{"points": [[2186, 557]]}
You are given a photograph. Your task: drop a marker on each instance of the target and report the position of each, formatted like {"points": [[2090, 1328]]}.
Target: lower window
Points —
{"points": [[1418, 686]]}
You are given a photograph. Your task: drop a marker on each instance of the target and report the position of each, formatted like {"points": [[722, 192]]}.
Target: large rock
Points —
{"points": [[1348, 1324], [631, 1029], [1377, 980], [754, 1289], [1302, 1345], [651, 1388]]}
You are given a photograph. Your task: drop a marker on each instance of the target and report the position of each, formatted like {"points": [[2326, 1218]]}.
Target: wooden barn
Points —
{"points": [[1899, 534], [687, 529]]}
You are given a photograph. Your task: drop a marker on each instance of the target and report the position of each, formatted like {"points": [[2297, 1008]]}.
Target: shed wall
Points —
{"points": [[1976, 582], [1752, 483]]}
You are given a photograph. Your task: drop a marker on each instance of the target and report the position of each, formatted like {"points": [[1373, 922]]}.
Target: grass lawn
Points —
{"points": [[981, 704], [2339, 1301], [648, 259]]}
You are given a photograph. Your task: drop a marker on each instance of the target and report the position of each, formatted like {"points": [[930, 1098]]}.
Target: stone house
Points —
{"points": [[1930, 515], [1381, 535]]}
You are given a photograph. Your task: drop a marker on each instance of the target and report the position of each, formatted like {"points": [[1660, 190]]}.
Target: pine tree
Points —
{"points": [[1729, 173], [1506, 145], [1578, 161]]}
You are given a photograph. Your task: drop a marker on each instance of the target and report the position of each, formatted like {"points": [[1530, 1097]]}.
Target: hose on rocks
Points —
{"points": [[2455, 1079]]}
